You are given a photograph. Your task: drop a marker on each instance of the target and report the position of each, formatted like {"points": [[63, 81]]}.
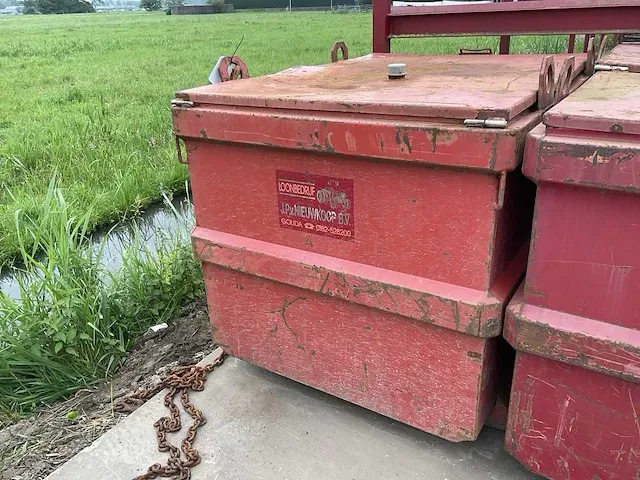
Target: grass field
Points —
{"points": [[86, 97], [85, 138]]}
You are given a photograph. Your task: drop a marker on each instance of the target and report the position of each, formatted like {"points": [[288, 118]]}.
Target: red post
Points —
{"points": [[505, 40], [572, 44], [381, 30], [505, 43]]}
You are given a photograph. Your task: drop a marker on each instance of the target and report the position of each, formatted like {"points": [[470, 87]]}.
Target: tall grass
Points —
{"points": [[74, 319]]}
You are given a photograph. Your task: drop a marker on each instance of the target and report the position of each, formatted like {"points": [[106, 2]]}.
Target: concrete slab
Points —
{"points": [[265, 427]]}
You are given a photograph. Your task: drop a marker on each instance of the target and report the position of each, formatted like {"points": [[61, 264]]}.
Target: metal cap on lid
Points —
{"points": [[607, 102], [396, 70]]}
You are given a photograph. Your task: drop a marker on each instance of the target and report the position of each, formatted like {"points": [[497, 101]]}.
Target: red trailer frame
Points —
{"points": [[506, 18]]}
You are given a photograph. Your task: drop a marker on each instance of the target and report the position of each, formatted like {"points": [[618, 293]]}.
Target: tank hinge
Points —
{"points": [[177, 102], [488, 123], [611, 68]]}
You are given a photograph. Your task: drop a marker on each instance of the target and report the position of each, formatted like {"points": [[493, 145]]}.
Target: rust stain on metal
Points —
{"points": [[434, 139], [402, 140], [494, 152]]}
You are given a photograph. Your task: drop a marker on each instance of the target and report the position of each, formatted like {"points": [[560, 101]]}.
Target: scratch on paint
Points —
{"points": [[595, 264], [538, 433], [563, 419], [635, 414], [540, 380]]}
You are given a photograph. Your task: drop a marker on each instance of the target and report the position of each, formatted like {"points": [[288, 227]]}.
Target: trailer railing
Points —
{"points": [[506, 18]]}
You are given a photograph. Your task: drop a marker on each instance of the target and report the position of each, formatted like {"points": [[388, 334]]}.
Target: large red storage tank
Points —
{"points": [[356, 236]]}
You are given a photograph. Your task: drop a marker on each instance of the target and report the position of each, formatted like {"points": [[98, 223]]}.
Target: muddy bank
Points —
{"points": [[34, 447]]}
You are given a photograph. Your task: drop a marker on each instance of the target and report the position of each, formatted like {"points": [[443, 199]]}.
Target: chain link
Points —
{"points": [[180, 381]]}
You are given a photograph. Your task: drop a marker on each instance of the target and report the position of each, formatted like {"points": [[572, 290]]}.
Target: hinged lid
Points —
{"points": [[607, 102], [445, 87], [623, 55]]}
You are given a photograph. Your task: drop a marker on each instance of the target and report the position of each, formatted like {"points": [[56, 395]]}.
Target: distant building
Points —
{"points": [[13, 10], [435, 3]]}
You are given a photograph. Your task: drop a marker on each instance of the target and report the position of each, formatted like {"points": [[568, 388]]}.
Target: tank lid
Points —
{"points": [[607, 102], [435, 86]]}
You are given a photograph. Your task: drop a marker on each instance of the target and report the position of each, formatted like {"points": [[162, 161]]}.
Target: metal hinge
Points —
{"points": [[488, 123], [611, 68], [176, 102]]}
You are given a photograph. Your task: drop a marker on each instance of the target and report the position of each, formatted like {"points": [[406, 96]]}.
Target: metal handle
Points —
{"points": [[476, 51], [179, 151], [502, 186]]}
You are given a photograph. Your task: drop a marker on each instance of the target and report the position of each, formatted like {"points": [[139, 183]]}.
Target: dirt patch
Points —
{"points": [[33, 448]]}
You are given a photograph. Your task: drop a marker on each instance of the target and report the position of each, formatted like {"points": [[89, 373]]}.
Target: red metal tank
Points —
{"points": [[356, 236], [575, 400]]}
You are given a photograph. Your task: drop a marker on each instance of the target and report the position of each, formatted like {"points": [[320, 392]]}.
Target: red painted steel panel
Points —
{"points": [[607, 102], [569, 424], [623, 55], [328, 234], [584, 257], [585, 342], [576, 321], [441, 86], [458, 308], [398, 367], [583, 159], [433, 223], [428, 142]]}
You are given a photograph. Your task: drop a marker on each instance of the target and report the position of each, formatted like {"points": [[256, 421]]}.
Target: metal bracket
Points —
{"points": [[334, 51], [546, 84], [563, 85], [488, 123], [611, 68], [177, 102], [502, 186], [232, 68]]}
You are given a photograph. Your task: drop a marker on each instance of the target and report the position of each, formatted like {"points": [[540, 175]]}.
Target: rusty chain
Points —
{"points": [[180, 381]]}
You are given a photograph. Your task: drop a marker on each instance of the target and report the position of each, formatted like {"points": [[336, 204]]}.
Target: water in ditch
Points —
{"points": [[156, 225]]}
